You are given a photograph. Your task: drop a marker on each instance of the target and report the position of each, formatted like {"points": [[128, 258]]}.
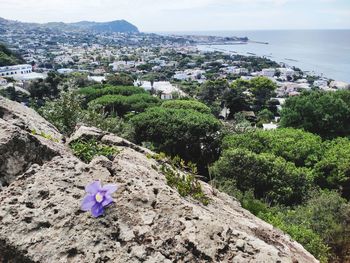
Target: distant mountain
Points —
{"points": [[117, 26], [113, 26]]}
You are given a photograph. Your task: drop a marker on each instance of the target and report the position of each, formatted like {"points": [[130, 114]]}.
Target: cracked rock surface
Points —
{"points": [[41, 220]]}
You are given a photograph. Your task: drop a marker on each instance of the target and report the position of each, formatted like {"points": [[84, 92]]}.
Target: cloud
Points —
{"points": [[163, 15]]}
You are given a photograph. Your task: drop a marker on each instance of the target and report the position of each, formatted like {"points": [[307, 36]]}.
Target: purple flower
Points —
{"points": [[97, 197]]}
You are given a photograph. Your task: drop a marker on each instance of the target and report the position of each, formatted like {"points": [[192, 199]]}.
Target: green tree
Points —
{"points": [[64, 112], [96, 91], [235, 100], [192, 135], [187, 105], [211, 91], [46, 88], [8, 58], [333, 170], [263, 89], [123, 104], [297, 146], [270, 177], [120, 79], [323, 113]]}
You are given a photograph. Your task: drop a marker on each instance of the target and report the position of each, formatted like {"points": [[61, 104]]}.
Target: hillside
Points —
{"points": [[43, 185], [7, 57], [113, 26], [117, 26]]}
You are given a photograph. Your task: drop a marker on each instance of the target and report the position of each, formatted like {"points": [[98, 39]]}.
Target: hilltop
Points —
{"points": [[117, 26]]}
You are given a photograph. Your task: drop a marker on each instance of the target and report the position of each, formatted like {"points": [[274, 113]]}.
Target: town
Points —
{"points": [[173, 66]]}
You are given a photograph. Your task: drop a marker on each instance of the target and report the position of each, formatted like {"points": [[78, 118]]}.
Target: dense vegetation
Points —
{"points": [[294, 180], [192, 135], [323, 113], [8, 58], [296, 177], [186, 105]]}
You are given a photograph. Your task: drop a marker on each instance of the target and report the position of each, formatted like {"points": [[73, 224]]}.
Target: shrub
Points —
{"points": [[192, 135], [87, 150], [297, 146], [302, 234], [269, 177], [122, 104], [323, 113], [94, 92], [333, 170], [63, 112], [187, 105], [181, 176]]}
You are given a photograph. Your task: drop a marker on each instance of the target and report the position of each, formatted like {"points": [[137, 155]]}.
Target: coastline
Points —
{"points": [[325, 52]]}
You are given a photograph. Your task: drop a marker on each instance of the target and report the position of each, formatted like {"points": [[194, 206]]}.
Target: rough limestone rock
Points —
{"points": [[20, 149], [26, 118], [41, 220]]}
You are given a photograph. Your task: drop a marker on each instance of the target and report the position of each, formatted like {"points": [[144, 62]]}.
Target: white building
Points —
{"points": [[269, 126], [65, 70], [339, 85], [3, 82], [122, 65], [165, 88], [268, 72], [321, 83], [286, 72], [17, 70]]}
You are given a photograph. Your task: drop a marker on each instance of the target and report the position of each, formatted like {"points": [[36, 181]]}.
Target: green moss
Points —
{"points": [[44, 135], [87, 150]]}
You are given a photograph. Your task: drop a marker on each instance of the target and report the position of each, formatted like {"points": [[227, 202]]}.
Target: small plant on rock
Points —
{"points": [[181, 176], [87, 150]]}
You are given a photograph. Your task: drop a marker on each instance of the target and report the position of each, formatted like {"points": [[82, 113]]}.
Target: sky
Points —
{"points": [[187, 15]]}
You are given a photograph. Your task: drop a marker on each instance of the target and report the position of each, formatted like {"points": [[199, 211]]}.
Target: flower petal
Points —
{"points": [[108, 200], [88, 202], [93, 188], [110, 188], [97, 210]]}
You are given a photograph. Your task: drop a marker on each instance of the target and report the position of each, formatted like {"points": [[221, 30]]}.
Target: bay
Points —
{"points": [[325, 52]]}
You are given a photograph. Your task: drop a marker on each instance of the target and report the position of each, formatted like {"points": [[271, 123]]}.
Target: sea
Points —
{"points": [[323, 52]]}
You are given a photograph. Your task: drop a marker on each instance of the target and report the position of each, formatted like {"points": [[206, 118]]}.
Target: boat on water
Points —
{"points": [[289, 59]]}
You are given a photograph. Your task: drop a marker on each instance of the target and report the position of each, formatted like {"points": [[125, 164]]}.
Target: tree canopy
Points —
{"points": [[323, 113], [186, 105], [297, 146], [188, 133], [270, 177], [123, 104]]}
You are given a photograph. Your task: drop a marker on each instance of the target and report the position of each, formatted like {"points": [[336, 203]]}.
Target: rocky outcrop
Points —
{"points": [[41, 220], [26, 119]]}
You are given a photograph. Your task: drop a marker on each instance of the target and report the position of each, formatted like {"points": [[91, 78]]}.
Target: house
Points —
{"points": [[340, 85], [286, 73], [65, 71], [321, 83], [122, 65], [17, 70], [164, 88], [269, 126], [249, 115], [166, 96], [3, 82], [99, 79], [268, 72]]}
